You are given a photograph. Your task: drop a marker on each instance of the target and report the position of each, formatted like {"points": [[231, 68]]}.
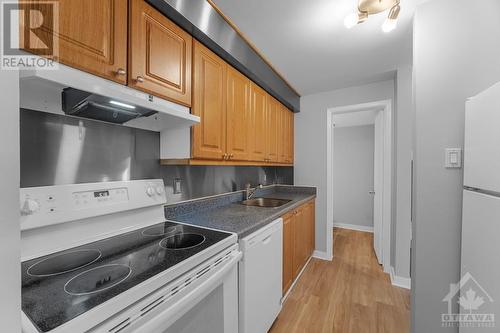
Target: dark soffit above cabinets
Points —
{"points": [[204, 22]]}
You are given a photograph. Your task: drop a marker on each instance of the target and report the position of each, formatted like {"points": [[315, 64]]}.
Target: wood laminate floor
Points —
{"points": [[350, 294]]}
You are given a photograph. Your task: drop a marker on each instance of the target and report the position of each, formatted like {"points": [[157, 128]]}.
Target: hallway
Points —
{"points": [[351, 294]]}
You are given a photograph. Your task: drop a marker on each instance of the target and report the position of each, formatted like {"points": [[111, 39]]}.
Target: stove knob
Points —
{"points": [[30, 207], [159, 190], [150, 191]]}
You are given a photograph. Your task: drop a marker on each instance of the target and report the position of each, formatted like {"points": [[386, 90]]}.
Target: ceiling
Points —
{"points": [[307, 42]]}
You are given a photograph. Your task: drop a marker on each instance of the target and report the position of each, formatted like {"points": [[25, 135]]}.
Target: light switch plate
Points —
{"points": [[453, 158], [177, 186]]}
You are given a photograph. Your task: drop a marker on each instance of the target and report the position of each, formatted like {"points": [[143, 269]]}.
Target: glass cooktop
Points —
{"points": [[61, 286]]}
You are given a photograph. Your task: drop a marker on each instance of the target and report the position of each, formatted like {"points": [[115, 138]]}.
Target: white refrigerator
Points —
{"points": [[480, 265]]}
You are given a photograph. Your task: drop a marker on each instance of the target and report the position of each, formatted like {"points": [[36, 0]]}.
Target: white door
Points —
{"points": [[378, 180]]}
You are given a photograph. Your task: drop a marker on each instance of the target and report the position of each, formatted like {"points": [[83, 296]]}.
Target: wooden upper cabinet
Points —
{"points": [[91, 35], [289, 136], [282, 134], [159, 54], [238, 115], [258, 123], [273, 125], [209, 103]]}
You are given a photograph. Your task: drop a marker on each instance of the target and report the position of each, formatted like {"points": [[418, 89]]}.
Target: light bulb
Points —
{"points": [[389, 25], [351, 20]]}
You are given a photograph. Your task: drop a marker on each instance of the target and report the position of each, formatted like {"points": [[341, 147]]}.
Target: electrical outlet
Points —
{"points": [[177, 186]]}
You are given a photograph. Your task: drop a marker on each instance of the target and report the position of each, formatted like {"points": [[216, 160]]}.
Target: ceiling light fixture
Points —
{"points": [[370, 7]]}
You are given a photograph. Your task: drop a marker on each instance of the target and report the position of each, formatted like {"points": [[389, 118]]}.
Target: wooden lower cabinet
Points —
{"points": [[298, 241], [310, 217], [288, 240]]}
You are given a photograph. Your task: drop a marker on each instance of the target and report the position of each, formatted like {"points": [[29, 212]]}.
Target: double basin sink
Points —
{"points": [[265, 202]]}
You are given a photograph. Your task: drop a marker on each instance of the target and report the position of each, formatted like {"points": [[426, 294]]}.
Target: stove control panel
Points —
{"points": [[89, 199], [47, 205]]}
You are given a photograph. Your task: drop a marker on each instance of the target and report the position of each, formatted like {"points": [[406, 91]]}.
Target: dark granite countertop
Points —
{"points": [[224, 212]]}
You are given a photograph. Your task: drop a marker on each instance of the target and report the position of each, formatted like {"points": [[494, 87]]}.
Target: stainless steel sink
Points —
{"points": [[265, 202]]}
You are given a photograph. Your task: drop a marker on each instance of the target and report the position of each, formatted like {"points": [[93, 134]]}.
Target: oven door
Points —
{"points": [[204, 300]]}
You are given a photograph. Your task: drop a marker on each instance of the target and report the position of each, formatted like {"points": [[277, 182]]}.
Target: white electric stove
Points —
{"points": [[100, 257]]}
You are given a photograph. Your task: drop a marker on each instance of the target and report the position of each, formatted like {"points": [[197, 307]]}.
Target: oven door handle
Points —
{"points": [[169, 315]]}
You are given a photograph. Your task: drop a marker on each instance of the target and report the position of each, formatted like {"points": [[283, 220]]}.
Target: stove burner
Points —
{"points": [[182, 241], [63, 263], [97, 279], [158, 230]]}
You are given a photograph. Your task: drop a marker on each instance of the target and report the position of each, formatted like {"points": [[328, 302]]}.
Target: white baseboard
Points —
{"points": [[399, 281], [353, 227], [322, 255]]}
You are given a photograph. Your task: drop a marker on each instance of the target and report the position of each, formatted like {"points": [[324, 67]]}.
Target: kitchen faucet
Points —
{"points": [[249, 191]]}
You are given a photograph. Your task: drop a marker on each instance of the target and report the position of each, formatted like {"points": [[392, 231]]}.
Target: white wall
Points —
{"points": [[404, 141], [311, 145], [353, 149], [10, 279], [456, 55]]}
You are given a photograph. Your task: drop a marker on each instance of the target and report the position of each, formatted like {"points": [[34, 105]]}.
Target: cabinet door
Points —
{"points": [[257, 124], [309, 221], [289, 137], [209, 103], [238, 115], [160, 54], [91, 35], [300, 241], [273, 109], [288, 245], [283, 134], [312, 227]]}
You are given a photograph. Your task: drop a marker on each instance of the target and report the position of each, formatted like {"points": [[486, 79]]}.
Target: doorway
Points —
{"points": [[353, 165], [380, 115]]}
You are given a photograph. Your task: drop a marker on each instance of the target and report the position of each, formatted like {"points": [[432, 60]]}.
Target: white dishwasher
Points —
{"points": [[260, 278]]}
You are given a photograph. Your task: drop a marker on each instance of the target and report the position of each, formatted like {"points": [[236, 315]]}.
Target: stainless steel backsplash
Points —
{"points": [[59, 150]]}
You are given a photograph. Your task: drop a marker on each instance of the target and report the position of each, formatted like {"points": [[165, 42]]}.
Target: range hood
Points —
{"points": [[72, 92], [86, 105]]}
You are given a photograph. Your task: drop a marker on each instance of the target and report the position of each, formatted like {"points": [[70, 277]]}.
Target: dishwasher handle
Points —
{"points": [[263, 236], [267, 239]]}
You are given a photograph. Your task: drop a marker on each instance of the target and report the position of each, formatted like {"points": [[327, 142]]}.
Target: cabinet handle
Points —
{"points": [[224, 156], [121, 72], [231, 155], [140, 79]]}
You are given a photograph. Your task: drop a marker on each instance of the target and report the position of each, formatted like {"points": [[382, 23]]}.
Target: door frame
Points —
{"points": [[385, 106]]}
